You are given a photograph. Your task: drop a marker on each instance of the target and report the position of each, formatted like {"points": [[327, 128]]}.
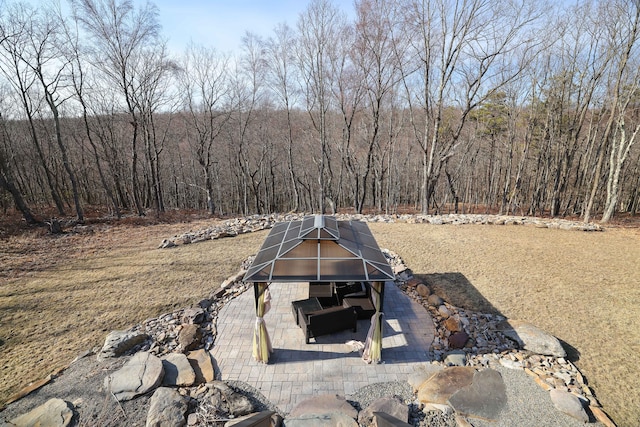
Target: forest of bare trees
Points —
{"points": [[512, 106]]}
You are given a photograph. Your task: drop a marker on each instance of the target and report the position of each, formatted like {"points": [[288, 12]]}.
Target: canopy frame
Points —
{"points": [[319, 248]]}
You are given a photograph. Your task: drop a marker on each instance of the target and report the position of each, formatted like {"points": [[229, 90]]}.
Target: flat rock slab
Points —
{"points": [[177, 370], [527, 405], [324, 404], [189, 336], [202, 363], [392, 406], [166, 409], [53, 413], [422, 373], [119, 342], [532, 338], [258, 419], [484, 398], [141, 374], [229, 400], [442, 385], [320, 420], [569, 404]]}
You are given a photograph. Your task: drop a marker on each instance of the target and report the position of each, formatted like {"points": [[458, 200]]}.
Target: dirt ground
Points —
{"points": [[60, 296]]}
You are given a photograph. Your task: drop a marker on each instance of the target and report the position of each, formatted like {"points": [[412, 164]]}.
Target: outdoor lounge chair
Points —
{"points": [[363, 305], [357, 295], [324, 292], [327, 321]]}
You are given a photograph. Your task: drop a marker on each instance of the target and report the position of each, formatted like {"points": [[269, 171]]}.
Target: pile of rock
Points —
{"points": [[466, 339], [462, 219], [234, 227]]}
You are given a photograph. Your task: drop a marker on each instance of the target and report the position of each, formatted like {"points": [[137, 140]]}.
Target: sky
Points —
{"points": [[222, 23]]}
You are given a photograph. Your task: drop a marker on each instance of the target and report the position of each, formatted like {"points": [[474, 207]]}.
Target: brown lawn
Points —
{"points": [[582, 287], [61, 295]]}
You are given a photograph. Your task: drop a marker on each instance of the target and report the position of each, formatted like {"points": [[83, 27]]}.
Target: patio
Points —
{"points": [[297, 371]]}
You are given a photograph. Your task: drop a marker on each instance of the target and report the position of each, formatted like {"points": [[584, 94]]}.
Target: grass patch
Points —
{"points": [[582, 287]]}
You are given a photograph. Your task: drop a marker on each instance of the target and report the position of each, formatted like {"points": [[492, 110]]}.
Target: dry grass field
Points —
{"points": [[61, 295], [582, 287]]}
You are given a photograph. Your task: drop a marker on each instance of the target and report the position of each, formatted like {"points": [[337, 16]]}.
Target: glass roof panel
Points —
{"points": [[306, 249], [380, 271], [287, 246], [351, 246], [295, 270], [266, 255], [306, 226], [342, 270], [331, 226], [367, 239], [273, 239], [373, 254], [329, 249], [292, 233], [260, 274], [324, 234], [346, 232]]}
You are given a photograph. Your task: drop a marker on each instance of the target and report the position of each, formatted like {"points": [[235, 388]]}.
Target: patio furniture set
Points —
{"points": [[332, 307]]}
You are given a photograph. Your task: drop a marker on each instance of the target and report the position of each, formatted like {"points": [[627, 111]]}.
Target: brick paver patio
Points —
{"points": [[297, 371]]}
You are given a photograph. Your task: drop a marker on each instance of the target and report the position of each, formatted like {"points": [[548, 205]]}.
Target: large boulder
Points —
{"points": [[442, 385], [141, 374], [228, 400], [177, 370], [324, 404], [189, 336], [569, 404], [166, 409], [202, 363], [119, 342], [484, 398], [53, 413], [389, 405], [422, 373], [193, 315], [532, 338], [458, 340]]}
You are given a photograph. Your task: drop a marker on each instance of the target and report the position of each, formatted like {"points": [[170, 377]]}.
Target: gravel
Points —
{"points": [[366, 395]]}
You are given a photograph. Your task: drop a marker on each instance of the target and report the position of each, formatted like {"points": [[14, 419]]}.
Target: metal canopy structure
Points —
{"points": [[319, 248]]}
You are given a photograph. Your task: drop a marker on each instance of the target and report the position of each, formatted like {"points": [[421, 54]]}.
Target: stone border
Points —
{"points": [[248, 224]]}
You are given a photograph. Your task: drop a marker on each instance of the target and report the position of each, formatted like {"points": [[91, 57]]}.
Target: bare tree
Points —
{"points": [[460, 48], [622, 30], [7, 181], [205, 87], [377, 36], [281, 70], [319, 26], [247, 84], [155, 94], [120, 36], [74, 54], [51, 68], [16, 30], [626, 24]]}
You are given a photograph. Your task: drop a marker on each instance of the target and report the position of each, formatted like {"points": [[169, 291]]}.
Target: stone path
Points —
{"points": [[297, 371]]}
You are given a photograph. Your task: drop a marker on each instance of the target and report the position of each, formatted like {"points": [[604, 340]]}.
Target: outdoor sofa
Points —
{"points": [[327, 321]]}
